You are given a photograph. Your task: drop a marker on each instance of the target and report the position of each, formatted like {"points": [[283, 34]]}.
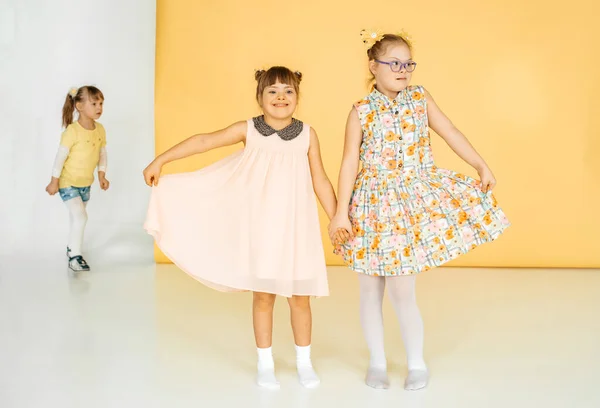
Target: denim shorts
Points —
{"points": [[68, 193]]}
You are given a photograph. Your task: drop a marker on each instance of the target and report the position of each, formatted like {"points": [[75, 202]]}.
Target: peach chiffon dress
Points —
{"points": [[246, 223]]}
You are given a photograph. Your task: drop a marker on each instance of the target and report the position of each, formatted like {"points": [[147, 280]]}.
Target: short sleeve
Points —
{"points": [[102, 134], [69, 137]]}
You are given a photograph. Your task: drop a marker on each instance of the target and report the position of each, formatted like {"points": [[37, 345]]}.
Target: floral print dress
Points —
{"points": [[409, 216]]}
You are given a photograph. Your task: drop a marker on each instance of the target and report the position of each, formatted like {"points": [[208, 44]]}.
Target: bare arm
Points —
{"points": [[442, 125], [340, 224], [321, 184], [350, 162], [205, 142], [193, 145]]}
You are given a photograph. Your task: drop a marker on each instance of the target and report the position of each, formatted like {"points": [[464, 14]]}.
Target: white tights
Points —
{"points": [[401, 290], [78, 218]]}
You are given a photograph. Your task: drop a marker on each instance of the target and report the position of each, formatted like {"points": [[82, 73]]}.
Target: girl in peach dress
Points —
{"points": [[249, 222]]}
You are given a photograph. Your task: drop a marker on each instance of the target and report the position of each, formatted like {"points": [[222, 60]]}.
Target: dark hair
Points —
{"points": [[381, 46], [91, 92], [272, 75]]}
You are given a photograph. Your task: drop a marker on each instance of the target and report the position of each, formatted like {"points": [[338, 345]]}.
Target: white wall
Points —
{"points": [[46, 47]]}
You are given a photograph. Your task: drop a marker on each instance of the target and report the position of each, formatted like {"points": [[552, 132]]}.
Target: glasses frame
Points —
{"points": [[401, 65]]}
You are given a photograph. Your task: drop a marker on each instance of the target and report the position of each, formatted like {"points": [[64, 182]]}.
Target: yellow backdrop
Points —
{"points": [[520, 79]]}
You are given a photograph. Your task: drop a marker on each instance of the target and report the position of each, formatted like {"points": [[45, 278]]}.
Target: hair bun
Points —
{"points": [[258, 73], [298, 75]]}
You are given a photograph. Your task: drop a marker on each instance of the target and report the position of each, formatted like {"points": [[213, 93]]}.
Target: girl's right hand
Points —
{"points": [[152, 173], [52, 188], [340, 227], [488, 181]]}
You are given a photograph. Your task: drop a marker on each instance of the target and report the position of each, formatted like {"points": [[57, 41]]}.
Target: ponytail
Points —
{"points": [[68, 110]]}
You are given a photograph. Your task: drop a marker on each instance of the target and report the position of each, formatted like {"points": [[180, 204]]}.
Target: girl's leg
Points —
{"points": [[401, 290], [78, 219], [301, 317], [262, 316], [372, 289]]}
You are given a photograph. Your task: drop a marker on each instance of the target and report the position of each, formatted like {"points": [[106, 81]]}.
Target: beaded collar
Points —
{"points": [[290, 132]]}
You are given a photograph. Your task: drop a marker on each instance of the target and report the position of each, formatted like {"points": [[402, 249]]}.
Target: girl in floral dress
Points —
{"points": [[404, 215]]}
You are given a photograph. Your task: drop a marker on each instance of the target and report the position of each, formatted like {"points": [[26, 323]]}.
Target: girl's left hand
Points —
{"points": [[488, 181], [340, 237], [104, 183]]}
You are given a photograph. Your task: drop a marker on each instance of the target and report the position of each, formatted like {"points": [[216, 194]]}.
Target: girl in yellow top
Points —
{"points": [[82, 149]]}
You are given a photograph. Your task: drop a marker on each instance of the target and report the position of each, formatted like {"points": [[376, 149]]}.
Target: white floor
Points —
{"points": [[149, 336]]}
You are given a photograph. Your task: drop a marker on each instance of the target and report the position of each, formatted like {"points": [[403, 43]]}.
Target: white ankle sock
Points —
{"points": [[266, 369], [306, 374]]}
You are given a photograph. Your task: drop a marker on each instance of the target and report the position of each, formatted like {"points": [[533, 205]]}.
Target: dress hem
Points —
{"points": [[214, 285], [425, 267]]}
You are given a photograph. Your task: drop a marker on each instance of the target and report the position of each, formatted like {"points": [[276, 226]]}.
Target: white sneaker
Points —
{"points": [[77, 263]]}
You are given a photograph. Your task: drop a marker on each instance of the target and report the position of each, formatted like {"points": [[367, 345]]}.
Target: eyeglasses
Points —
{"points": [[396, 66]]}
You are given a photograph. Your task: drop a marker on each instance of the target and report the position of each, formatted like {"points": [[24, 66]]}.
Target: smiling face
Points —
{"points": [[277, 92], [279, 101], [396, 56]]}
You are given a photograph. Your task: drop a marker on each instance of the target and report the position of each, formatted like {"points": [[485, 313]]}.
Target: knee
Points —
{"points": [[402, 293], [372, 288], [299, 303], [263, 301], [80, 216], [399, 298], [371, 293]]}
